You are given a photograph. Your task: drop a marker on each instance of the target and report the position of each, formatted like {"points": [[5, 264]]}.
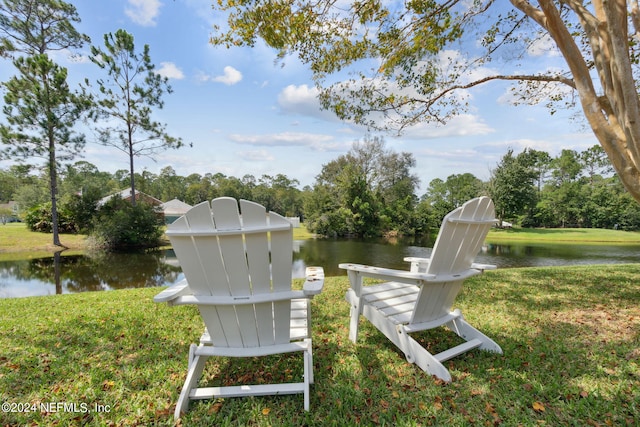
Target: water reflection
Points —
{"points": [[545, 255], [329, 253], [98, 271], [105, 271]]}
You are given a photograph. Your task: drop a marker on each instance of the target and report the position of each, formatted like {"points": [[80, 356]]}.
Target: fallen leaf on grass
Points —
{"points": [[538, 407], [215, 408], [163, 413], [266, 411]]}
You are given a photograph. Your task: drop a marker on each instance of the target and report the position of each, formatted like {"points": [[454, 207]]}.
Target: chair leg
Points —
{"points": [[311, 379], [308, 375], [192, 354], [193, 376], [412, 350], [417, 354], [468, 332], [355, 312]]}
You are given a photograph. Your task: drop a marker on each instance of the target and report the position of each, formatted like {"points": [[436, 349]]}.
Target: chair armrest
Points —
{"points": [[388, 273], [424, 262], [483, 267], [418, 279], [315, 281], [416, 259], [172, 292], [418, 264]]}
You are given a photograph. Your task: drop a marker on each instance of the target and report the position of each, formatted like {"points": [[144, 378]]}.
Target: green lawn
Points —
{"points": [[17, 242], [15, 237], [301, 233], [571, 341], [564, 235]]}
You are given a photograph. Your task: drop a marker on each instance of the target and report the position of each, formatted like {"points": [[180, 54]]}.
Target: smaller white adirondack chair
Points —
{"points": [[422, 298], [238, 273]]}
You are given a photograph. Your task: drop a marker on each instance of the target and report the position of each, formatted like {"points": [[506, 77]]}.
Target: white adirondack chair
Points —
{"points": [[422, 298], [238, 273]]}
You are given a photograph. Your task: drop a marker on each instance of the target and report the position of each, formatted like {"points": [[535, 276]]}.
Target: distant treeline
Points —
{"points": [[370, 191]]}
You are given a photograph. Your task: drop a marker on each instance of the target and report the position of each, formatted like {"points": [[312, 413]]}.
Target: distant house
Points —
{"points": [[174, 209], [294, 220], [505, 224], [171, 210], [9, 212], [126, 195]]}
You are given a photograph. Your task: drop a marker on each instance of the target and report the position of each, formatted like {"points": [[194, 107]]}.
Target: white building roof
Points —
{"points": [[175, 207]]}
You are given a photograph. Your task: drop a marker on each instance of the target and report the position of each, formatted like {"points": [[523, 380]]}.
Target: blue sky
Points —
{"points": [[244, 114]]}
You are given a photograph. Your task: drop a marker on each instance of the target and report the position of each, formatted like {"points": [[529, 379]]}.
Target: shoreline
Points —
{"points": [[20, 243]]}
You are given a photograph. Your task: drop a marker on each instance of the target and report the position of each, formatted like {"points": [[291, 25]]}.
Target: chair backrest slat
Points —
{"points": [[257, 245], [219, 259], [459, 242], [281, 262], [460, 239]]}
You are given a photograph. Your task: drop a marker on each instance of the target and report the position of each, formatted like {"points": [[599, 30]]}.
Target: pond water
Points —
{"points": [[329, 253], [80, 273], [107, 271]]}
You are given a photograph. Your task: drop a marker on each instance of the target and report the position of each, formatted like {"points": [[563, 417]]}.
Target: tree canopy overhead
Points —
{"points": [[390, 65]]}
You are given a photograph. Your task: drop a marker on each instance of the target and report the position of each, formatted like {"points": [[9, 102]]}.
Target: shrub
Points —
{"points": [[38, 218], [120, 225], [82, 210]]}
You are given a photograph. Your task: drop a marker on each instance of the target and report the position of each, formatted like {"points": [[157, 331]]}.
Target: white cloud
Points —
{"points": [[571, 141], [543, 46], [316, 142], [202, 77], [303, 100], [230, 77], [537, 93], [170, 70], [68, 57], [460, 125], [453, 154], [256, 155], [143, 12]]}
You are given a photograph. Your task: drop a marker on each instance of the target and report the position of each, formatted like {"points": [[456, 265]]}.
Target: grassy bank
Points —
{"points": [[16, 237], [570, 338], [564, 235], [18, 240]]}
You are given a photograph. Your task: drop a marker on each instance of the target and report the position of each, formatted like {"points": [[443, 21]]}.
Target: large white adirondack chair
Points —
{"points": [[422, 298], [238, 273]]}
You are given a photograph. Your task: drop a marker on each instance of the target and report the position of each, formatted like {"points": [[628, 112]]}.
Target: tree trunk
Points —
{"points": [[132, 177], [130, 141], [133, 182], [53, 175], [614, 116], [53, 186]]}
